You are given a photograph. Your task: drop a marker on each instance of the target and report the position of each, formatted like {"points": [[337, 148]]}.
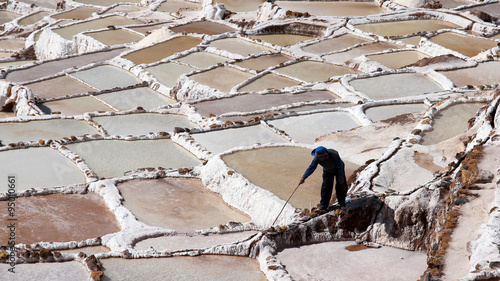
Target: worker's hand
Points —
{"points": [[302, 180], [341, 180]]}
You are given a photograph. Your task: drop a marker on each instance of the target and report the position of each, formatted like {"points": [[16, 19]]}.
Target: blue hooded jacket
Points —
{"points": [[333, 164]]}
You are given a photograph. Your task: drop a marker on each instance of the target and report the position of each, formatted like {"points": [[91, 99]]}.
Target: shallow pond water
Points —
{"points": [[246, 136], [176, 203], [252, 102], [451, 122], [59, 86], [115, 37], [464, 44], [399, 28], [263, 62], [308, 260], [33, 18], [68, 32], [204, 267], [191, 241], [43, 129], [61, 218], [397, 60], [106, 77], [232, 76], [282, 39], [168, 73], [269, 81], [312, 71], [359, 51], [241, 5], [379, 113], [53, 67], [106, 2], [143, 123], [38, 167], [395, 85], [112, 158], [162, 50], [203, 59], [73, 270], [306, 128], [6, 16], [133, 98], [74, 106], [203, 27], [79, 13], [12, 44], [485, 73], [334, 44], [175, 6], [333, 8], [238, 46]]}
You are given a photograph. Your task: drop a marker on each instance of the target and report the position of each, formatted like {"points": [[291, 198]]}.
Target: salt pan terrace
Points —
{"points": [[163, 139]]}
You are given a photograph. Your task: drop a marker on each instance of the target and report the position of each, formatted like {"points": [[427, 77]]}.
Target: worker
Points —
{"points": [[333, 167]]}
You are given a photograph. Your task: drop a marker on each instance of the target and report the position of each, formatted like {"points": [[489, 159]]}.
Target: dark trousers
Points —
{"points": [[327, 189]]}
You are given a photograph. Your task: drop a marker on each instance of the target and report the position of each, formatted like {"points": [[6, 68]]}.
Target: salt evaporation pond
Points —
{"points": [[176, 6], [43, 129], [143, 123], [334, 44], [306, 128], [91, 250], [106, 77], [203, 27], [246, 136], [333, 8], [74, 106], [33, 18], [12, 44], [73, 270], [315, 261], [464, 44], [58, 86], [39, 167], [112, 158], [205, 267], [69, 31], [202, 59], [397, 60], [342, 57], [485, 73], [148, 29], [253, 102], [124, 9], [279, 169], [115, 37], [450, 122], [6, 16], [61, 218], [282, 39], [132, 98], [232, 78], [183, 205], [168, 73], [399, 28], [378, 113], [79, 13], [241, 5], [238, 46], [106, 2], [53, 67], [263, 62], [312, 71], [268, 81], [191, 240], [162, 50], [395, 85]]}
